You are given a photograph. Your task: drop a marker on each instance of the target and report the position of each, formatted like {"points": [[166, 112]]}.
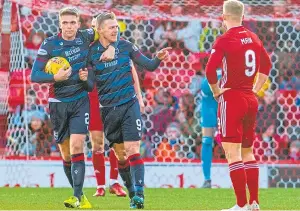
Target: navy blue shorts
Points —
{"points": [[69, 118], [122, 123]]}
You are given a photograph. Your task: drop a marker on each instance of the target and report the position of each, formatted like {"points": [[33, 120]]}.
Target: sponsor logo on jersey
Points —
{"points": [[61, 43], [110, 64], [73, 58], [72, 51], [42, 52], [78, 41]]}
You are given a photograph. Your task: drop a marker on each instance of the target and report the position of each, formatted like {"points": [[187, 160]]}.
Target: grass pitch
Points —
{"points": [[155, 199]]}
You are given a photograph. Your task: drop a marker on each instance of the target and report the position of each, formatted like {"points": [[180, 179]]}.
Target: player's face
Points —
{"points": [[69, 25], [109, 30]]}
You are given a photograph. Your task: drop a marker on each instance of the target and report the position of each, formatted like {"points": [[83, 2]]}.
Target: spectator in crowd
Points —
{"points": [[45, 143], [208, 35], [269, 145], [35, 121], [190, 35], [163, 35], [294, 153], [190, 127], [147, 148], [173, 133], [40, 141], [139, 35], [281, 10], [32, 46], [268, 109], [164, 112], [288, 64], [167, 148]]}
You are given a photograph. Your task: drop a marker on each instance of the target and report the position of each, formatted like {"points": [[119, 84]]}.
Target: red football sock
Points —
{"points": [[113, 165], [238, 179], [252, 172], [99, 167]]}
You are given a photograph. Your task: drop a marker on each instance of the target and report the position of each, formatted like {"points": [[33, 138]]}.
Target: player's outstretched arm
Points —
{"points": [[38, 74], [137, 88], [150, 64]]}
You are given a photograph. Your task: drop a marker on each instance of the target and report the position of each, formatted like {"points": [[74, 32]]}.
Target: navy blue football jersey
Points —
{"points": [[114, 78], [76, 52]]}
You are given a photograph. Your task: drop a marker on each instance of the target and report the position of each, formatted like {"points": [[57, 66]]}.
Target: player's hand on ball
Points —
{"points": [[163, 54], [63, 74], [108, 55], [83, 74]]}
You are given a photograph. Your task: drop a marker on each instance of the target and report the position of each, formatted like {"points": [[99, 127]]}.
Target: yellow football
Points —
{"points": [[55, 63], [264, 88]]}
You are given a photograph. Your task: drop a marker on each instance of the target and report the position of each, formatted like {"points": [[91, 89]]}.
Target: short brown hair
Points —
{"points": [[103, 17], [234, 8], [69, 11]]}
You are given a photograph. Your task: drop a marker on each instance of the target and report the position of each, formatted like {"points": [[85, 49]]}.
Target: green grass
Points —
{"points": [[156, 199]]}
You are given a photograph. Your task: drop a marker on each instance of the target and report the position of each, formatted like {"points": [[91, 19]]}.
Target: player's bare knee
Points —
{"points": [[76, 143], [66, 156], [121, 155], [64, 148], [97, 140], [76, 148], [99, 148], [120, 152], [132, 147], [233, 152], [247, 154]]}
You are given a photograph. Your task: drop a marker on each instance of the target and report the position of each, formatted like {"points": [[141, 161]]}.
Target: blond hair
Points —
{"points": [[103, 17], [69, 11], [234, 9]]}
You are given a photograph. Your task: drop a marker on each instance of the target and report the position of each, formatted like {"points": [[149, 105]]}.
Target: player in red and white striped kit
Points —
{"points": [[243, 56]]}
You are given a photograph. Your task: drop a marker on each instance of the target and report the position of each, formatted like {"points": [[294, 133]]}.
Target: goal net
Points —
{"points": [[172, 130]]}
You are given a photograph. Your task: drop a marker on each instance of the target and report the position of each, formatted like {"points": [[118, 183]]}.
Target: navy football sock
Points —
{"points": [[124, 171], [67, 170], [78, 173], [137, 171]]}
